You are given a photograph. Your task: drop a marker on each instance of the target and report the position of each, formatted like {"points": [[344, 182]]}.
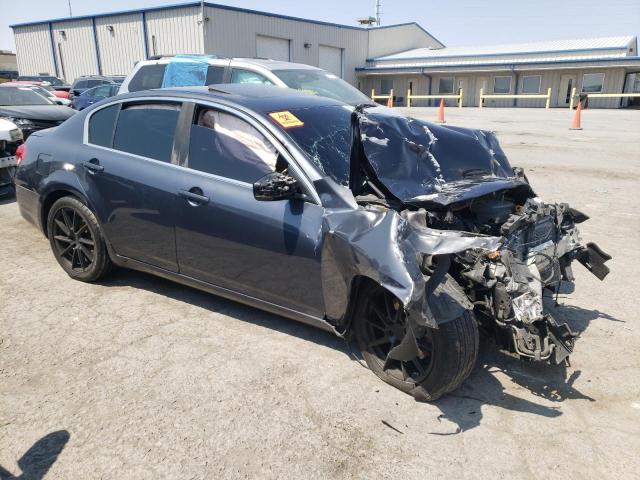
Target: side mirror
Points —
{"points": [[275, 186]]}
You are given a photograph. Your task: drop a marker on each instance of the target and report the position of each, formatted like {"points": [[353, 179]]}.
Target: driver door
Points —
{"points": [[269, 250]]}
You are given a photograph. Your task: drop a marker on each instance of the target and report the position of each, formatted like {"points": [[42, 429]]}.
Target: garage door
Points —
{"points": [[272, 47], [331, 59]]}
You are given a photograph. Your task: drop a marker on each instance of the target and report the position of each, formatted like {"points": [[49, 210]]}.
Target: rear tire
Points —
{"points": [[77, 241], [450, 351]]}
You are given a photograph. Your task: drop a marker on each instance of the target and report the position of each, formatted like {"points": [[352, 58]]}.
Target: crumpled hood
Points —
{"points": [[38, 112], [420, 161]]}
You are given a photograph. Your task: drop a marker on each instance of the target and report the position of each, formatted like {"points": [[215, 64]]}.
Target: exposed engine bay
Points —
{"points": [[484, 240], [538, 244]]}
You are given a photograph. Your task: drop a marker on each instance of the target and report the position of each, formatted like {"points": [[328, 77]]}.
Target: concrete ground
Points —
{"points": [[137, 377]]}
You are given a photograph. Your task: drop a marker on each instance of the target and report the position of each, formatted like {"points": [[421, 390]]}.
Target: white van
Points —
{"points": [[152, 73]]}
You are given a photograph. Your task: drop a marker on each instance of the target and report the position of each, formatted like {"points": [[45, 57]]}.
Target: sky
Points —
{"points": [[453, 22]]}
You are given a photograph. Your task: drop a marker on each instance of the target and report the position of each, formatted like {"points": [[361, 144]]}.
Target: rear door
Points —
{"points": [[266, 249], [128, 165]]}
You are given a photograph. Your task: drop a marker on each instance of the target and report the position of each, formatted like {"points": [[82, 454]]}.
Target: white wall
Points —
{"points": [[33, 50], [75, 50], [122, 47], [175, 31], [233, 34]]}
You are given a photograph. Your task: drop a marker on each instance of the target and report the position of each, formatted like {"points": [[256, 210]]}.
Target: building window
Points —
{"points": [[445, 85], [592, 82], [386, 84], [502, 85], [531, 83]]}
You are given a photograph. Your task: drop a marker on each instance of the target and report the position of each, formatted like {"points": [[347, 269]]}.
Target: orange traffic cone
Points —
{"points": [[390, 101], [441, 112], [576, 118]]}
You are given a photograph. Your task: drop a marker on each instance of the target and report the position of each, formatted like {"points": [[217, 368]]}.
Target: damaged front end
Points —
{"points": [[537, 245], [475, 226]]}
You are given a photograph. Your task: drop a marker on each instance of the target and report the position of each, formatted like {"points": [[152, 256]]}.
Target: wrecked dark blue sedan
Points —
{"points": [[402, 235]]}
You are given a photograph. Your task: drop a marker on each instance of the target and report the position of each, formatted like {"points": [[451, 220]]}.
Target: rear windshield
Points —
{"points": [[18, 96], [319, 82], [148, 77]]}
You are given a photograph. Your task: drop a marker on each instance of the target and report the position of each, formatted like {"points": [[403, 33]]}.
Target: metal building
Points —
{"points": [[400, 58], [110, 44], [597, 66]]}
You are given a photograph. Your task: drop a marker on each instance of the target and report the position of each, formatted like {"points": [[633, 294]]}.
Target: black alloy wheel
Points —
{"points": [[74, 243], [77, 240], [385, 330]]}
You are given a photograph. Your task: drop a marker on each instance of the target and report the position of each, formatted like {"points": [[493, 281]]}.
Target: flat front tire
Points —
{"points": [[448, 353], [77, 241]]}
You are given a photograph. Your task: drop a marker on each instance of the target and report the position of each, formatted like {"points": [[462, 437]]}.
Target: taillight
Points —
{"points": [[20, 153]]}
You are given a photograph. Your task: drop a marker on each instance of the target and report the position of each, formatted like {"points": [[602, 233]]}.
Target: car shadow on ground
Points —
{"points": [[462, 409], [37, 461]]}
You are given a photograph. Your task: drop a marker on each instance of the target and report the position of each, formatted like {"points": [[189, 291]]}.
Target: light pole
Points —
{"points": [[70, 14]]}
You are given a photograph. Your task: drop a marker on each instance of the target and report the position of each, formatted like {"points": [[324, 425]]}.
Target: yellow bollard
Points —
{"points": [[573, 95], [460, 99], [409, 98], [548, 99], [373, 94], [481, 94]]}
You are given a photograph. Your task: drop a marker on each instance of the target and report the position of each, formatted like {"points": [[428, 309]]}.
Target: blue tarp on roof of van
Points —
{"points": [[186, 71]]}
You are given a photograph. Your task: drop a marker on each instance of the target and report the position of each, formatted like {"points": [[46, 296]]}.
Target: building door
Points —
{"points": [[567, 83], [273, 48], [464, 84], [330, 59]]}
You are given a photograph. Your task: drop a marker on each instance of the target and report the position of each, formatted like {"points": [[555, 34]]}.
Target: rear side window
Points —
{"points": [[81, 84], [148, 77], [239, 75], [214, 75], [147, 130], [101, 125], [227, 146]]}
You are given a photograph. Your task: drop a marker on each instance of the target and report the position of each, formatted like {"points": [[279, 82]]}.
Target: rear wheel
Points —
{"points": [[447, 354], [77, 241]]}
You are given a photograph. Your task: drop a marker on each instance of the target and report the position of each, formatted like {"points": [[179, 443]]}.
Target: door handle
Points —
{"points": [[93, 165], [194, 196]]}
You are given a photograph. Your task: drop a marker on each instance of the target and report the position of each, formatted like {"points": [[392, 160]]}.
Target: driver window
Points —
{"points": [[225, 145]]}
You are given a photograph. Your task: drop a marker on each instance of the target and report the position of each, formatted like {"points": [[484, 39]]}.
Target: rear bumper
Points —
{"points": [[29, 205]]}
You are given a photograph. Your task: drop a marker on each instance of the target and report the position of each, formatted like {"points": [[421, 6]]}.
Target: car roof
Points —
{"points": [[267, 63], [270, 64], [260, 98]]}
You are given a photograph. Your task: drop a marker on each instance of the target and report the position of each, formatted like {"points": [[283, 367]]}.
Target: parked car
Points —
{"points": [[31, 111], [57, 83], [44, 85], [42, 90], [94, 95], [195, 70], [10, 140], [401, 234], [86, 82]]}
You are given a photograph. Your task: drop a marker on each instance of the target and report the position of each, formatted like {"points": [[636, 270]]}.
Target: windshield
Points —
{"points": [[319, 82], [326, 138], [52, 80], [20, 96], [411, 158]]}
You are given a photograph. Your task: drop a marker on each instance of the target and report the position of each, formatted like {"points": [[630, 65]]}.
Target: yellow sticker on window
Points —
{"points": [[286, 119]]}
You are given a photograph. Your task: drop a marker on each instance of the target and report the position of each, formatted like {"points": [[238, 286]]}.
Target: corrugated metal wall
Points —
{"points": [[33, 50], [75, 50], [233, 34], [121, 47], [471, 82], [174, 31]]}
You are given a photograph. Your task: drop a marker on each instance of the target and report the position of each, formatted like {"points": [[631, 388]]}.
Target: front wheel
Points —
{"points": [[77, 241], [448, 353]]}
